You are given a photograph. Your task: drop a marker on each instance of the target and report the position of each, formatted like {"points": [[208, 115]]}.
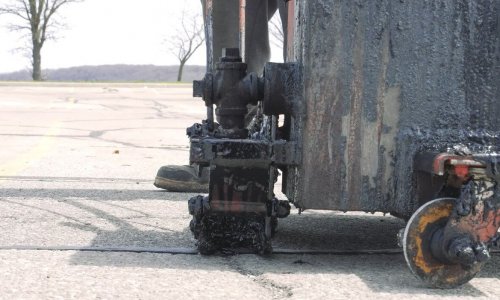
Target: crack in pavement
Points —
{"points": [[277, 290]]}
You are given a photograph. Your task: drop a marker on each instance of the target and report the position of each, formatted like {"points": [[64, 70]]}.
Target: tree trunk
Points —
{"points": [[37, 62], [181, 68]]}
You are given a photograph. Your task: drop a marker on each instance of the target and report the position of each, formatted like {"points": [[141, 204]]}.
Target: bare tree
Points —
{"points": [[187, 39], [36, 17]]}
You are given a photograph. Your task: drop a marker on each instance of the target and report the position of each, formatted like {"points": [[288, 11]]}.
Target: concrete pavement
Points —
{"points": [[76, 169]]}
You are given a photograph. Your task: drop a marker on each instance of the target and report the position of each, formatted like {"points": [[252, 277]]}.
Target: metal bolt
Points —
{"points": [[482, 253], [461, 251]]}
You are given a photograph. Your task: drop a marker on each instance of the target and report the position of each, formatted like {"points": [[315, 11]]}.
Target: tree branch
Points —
{"points": [[36, 17], [187, 40]]}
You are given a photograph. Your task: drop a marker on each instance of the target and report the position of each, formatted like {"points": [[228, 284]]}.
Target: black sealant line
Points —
{"points": [[193, 251]]}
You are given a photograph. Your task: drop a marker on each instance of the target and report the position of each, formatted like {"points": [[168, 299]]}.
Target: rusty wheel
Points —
{"points": [[426, 224]]}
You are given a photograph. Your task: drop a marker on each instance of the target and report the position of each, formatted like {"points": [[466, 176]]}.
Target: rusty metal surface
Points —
{"points": [[447, 241], [209, 32], [384, 80], [417, 240], [483, 225], [477, 212], [290, 29]]}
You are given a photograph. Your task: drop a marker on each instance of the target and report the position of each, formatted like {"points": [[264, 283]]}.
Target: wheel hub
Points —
{"points": [[428, 256]]}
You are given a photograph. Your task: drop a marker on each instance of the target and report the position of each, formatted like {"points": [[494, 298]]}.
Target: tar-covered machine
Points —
{"points": [[382, 106]]}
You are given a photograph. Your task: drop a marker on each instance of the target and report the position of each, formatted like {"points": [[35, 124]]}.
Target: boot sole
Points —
{"points": [[180, 186]]}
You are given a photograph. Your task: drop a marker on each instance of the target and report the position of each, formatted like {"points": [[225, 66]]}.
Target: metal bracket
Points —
{"points": [[282, 88], [435, 163], [286, 153], [243, 153]]}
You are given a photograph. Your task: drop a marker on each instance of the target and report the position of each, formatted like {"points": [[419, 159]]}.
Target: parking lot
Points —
{"points": [[76, 171]]}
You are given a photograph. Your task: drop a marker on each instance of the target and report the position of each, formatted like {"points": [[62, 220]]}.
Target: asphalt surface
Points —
{"points": [[77, 164]]}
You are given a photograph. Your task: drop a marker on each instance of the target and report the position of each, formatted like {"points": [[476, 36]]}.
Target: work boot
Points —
{"points": [[182, 179]]}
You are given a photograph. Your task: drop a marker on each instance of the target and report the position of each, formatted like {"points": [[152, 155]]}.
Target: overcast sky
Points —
{"points": [[106, 32]]}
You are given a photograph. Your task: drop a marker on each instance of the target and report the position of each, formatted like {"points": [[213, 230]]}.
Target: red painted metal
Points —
{"points": [[442, 159], [482, 225], [462, 171]]}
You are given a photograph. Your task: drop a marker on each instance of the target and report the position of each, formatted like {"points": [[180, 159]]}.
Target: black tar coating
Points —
{"points": [[443, 60], [224, 232], [229, 232]]}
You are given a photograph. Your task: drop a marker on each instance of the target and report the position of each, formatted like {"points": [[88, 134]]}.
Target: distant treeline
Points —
{"points": [[128, 73]]}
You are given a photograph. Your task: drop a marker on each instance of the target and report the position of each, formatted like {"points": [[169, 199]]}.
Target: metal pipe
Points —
{"points": [[209, 38], [209, 34], [243, 5]]}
